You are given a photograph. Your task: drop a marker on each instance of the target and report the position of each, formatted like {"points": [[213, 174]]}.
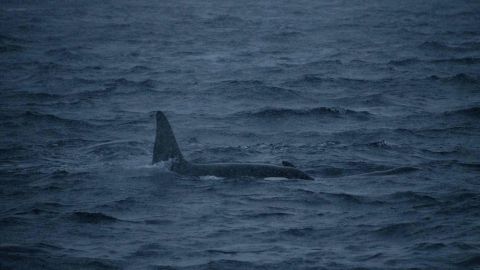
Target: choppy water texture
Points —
{"points": [[378, 100]]}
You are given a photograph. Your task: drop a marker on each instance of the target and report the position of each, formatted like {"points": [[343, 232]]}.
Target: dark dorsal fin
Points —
{"points": [[287, 164], [166, 146]]}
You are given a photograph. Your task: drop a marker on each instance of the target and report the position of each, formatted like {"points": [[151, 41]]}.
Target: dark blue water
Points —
{"points": [[378, 100]]}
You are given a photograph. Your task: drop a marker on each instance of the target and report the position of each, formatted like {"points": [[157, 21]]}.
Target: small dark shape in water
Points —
{"points": [[94, 218]]}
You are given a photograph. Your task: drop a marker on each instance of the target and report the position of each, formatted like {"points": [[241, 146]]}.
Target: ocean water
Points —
{"points": [[379, 101]]}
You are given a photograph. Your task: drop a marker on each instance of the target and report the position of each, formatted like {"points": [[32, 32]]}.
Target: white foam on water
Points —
{"points": [[275, 178], [210, 177], [164, 166]]}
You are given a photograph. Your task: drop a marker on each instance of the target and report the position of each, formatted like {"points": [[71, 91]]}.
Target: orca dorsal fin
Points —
{"points": [[287, 164], [166, 146]]}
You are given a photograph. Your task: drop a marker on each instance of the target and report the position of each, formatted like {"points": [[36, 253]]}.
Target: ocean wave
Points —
{"points": [[10, 44], [111, 90], [65, 54], [461, 78], [316, 64], [268, 215], [220, 251], [8, 152], [139, 69], [93, 94], [314, 79], [473, 166], [404, 62], [12, 248], [322, 198], [463, 245], [312, 112], [471, 45], [360, 167], [12, 221], [415, 60], [222, 21], [150, 250], [382, 144], [42, 67], [394, 171], [216, 264], [233, 151], [284, 35], [462, 61], [224, 154], [435, 132], [460, 203], [298, 232], [371, 257], [7, 48], [248, 89], [6, 38], [26, 257], [310, 197], [412, 197], [91, 68], [462, 197], [373, 100], [470, 261], [45, 102], [30, 118], [36, 211], [434, 45], [398, 229], [93, 218], [469, 112], [331, 171], [114, 150], [430, 247], [157, 222], [119, 205], [440, 46], [32, 96], [284, 263], [457, 150], [125, 82], [344, 197], [63, 86], [303, 199]]}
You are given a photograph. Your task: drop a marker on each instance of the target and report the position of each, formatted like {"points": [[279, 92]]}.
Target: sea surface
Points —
{"points": [[379, 101]]}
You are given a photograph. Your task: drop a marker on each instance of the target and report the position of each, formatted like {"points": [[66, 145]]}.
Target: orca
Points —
{"points": [[166, 148]]}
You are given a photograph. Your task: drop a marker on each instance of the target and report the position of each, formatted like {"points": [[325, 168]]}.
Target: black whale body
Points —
{"points": [[166, 148]]}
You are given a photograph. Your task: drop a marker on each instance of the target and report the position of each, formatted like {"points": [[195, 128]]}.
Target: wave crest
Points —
{"points": [[470, 112], [93, 218], [312, 112]]}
